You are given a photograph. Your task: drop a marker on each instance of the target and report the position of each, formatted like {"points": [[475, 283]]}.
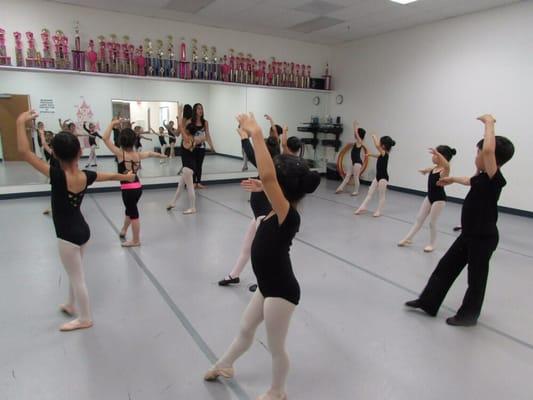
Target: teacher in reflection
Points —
{"points": [[199, 129]]}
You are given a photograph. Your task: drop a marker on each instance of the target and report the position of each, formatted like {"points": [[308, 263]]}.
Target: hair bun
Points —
{"points": [[393, 143], [310, 181], [454, 152]]}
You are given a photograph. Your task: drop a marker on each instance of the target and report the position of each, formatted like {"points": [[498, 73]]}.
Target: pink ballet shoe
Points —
{"points": [[359, 211], [355, 194], [215, 372], [270, 396], [428, 249], [189, 211], [377, 215], [404, 242], [74, 325], [68, 310], [170, 207], [130, 243], [338, 191]]}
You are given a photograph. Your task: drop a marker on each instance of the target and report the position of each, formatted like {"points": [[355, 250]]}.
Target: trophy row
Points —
{"points": [[110, 56]]}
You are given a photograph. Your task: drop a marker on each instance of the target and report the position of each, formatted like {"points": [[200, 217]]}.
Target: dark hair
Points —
{"points": [[272, 146], [294, 144], [40, 123], [187, 111], [294, 177], [66, 146], [446, 151], [71, 125], [195, 114], [279, 129], [127, 138], [361, 132], [387, 143], [504, 149]]}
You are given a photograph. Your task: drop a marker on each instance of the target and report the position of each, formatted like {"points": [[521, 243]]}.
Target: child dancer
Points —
{"points": [[435, 200], [285, 181], [129, 160], [357, 161], [187, 159], [68, 188], [91, 131], [383, 146], [139, 135], [479, 236], [161, 135], [172, 135]]}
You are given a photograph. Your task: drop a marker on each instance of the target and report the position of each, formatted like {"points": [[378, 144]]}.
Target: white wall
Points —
{"points": [[24, 15], [424, 86]]}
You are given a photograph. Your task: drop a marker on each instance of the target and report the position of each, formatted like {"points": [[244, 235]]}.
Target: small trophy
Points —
{"points": [[203, 66], [248, 74], [124, 56], [240, 68], [149, 57], [19, 56], [184, 65], [4, 59], [113, 55], [216, 73], [327, 78], [224, 68], [131, 59], [78, 56], [194, 62], [170, 62], [308, 77], [102, 64], [159, 64], [140, 62], [232, 66], [47, 60], [92, 57], [31, 58]]}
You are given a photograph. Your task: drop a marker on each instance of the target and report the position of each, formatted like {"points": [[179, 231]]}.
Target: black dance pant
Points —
{"points": [[199, 155], [475, 251], [130, 198]]}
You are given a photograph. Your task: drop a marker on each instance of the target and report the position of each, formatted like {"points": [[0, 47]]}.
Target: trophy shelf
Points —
{"points": [[153, 78]]}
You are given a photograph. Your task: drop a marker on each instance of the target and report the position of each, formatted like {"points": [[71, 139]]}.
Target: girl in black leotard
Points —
{"points": [[173, 133], [357, 161], [199, 128], [68, 187], [380, 182], [129, 160], [91, 131], [435, 200], [285, 180], [187, 159], [162, 142]]}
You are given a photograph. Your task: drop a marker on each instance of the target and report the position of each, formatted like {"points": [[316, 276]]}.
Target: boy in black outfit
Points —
{"points": [[479, 236]]}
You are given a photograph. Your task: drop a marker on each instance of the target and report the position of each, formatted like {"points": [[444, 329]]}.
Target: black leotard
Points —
{"points": [[162, 141], [92, 136], [258, 200], [270, 257], [435, 193], [356, 154], [172, 136], [68, 220], [381, 167]]}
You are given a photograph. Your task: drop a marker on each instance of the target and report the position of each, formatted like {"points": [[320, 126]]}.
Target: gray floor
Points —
{"points": [[21, 173], [160, 318]]}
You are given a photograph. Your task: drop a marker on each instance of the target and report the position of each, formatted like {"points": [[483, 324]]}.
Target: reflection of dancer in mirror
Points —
{"points": [[140, 135], [285, 181], [258, 202], [357, 161], [435, 200], [69, 184], [162, 142], [479, 236], [187, 159], [46, 138], [199, 128], [172, 135], [91, 131], [38, 129], [380, 182], [129, 160], [275, 130]]}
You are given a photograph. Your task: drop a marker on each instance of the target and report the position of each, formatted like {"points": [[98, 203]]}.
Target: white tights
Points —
{"points": [[246, 249], [277, 313], [92, 155], [355, 171], [71, 257], [381, 186], [186, 179], [433, 211]]}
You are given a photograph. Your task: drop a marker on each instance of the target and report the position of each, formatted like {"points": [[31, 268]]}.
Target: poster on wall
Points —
{"points": [[47, 106]]}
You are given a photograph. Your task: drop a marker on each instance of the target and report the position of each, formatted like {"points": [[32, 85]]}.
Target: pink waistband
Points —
{"points": [[131, 185]]}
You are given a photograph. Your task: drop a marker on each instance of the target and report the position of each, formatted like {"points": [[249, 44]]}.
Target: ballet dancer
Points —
{"points": [[259, 204], [46, 137], [380, 182], [285, 181], [139, 135], [275, 130], [162, 142], [357, 161], [199, 128], [129, 160], [435, 200], [187, 159], [479, 236], [173, 133], [38, 128], [91, 131], [69, 184]]}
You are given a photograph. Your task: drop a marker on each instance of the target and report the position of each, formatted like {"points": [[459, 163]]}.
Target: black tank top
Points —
{"points": [[435, 193], [135, 166], [381, 167], [356, 154]]}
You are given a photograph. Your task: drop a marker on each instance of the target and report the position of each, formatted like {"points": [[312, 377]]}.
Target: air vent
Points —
{"points": [[319, 7], [315, 24], [188, 6]]}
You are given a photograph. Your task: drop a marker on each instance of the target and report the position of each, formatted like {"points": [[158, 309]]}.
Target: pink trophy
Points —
{"points": [[131, 59], [224, 68], [48, 60], [92, 57], [4, 59], [31, 58], [64, 51], [232, 68], [19, 56], [141, 62], [184, 65], [78, 56]]}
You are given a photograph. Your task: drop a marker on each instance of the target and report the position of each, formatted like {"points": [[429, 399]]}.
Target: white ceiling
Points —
{"points": [[317, 21]]}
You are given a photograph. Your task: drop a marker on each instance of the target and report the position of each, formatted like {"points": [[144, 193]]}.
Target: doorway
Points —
{"points": [[11, 106]]}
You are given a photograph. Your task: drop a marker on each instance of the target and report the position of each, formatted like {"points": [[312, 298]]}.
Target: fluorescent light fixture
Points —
{"points": [[403, 1]]}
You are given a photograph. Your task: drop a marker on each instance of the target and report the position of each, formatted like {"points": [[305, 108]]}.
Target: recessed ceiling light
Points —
{"points": [[403, 1]]}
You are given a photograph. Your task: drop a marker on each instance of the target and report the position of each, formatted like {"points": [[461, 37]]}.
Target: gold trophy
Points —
{"points": [[194, 60]]}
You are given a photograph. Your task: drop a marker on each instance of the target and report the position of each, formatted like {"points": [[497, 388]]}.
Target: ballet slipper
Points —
{"points": [[215, 372], [68, 310], [122, 235], [131, 243], [189, 211], [428, 249], [338, 191], [170, 207], [47, 211], [359, 211], [355, 194], [404, 242], [271, 396], [75, 324], [377, 214], [200, 186]]}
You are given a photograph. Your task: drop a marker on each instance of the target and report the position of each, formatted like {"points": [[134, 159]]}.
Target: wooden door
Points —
{"points": [[10, 108]]}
